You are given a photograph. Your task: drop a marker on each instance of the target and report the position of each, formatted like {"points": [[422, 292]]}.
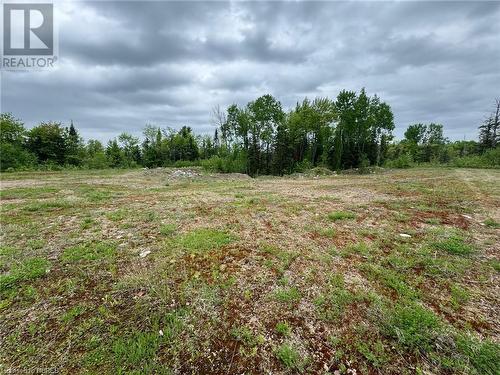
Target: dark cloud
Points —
{"points": [[125, 64]]}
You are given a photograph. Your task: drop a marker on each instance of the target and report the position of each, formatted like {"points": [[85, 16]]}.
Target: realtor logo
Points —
{"points": [[28, 36]]}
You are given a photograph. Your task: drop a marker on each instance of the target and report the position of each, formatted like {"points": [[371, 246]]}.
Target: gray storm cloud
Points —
{"points": [[125, 64]]}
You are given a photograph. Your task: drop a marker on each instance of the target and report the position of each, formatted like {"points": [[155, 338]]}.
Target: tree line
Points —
{"points": [[352, 131]]}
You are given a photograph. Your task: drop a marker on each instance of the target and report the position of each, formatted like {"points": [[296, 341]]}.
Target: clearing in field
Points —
{"points": [[154, 271]]}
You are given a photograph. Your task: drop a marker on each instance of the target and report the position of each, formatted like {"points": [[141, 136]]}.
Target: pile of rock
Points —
{"points": [[184, 173]]}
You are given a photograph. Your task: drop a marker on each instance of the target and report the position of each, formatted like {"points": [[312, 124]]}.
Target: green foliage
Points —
{"points": [[48, 142], [230, 164], [489, 131], [488, 159], [365, 125], [183, 146], [13, 154], [402, 161], [352, 131]]}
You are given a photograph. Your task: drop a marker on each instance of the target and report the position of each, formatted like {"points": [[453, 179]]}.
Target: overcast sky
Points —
{"points": [[125, 64]]}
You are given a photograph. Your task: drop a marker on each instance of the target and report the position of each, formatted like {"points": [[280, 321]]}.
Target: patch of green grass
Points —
{"points": [[360, 248], [70, 315], [491, 223], [390, 279], [8, 251], [454, 245], [433, 221], [172, 324], [495, 264], [168, 229], [374, 352], [402, 217], [7, 254], [29, 269], [341, 215], [413, 326], [22, 193], [98, 195], [248, 339], [202, 240], [36, 244], [287, 295], [89, 252], [47, 206], [482, 356], [283, 328], [117, 215], [290, 357], [137, 351], [281, 259], [435, 264], [87, 222], [332, 303], [328, 232], [459, 296]]}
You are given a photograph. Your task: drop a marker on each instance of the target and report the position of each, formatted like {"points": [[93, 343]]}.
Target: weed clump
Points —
{"points": [[290, 357], [283, 328]]}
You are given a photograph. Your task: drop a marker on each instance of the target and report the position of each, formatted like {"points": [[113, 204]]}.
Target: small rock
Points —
{"points": [[160, 332], [145, 253], [467, 216], [404, 235]]}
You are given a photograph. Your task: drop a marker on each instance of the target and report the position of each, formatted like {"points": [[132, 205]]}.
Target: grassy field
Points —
{"points": [[151, 272]]}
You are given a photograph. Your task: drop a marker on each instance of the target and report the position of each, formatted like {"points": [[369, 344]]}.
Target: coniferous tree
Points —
{"points": [[74, 144], [489, 131]]}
